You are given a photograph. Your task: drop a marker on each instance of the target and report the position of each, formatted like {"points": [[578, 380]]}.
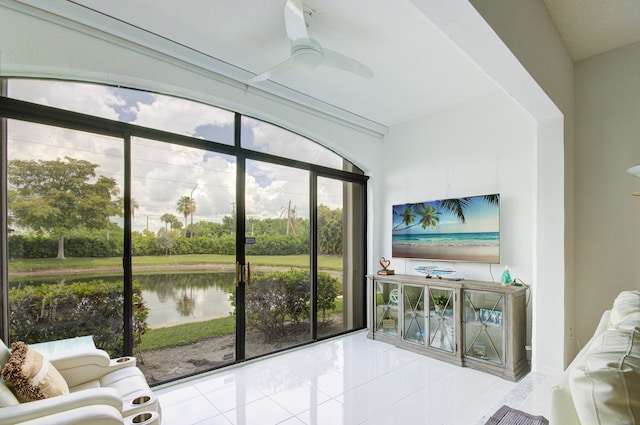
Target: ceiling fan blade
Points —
{"points": [[294, 20], [340, 61], [278, 69]]}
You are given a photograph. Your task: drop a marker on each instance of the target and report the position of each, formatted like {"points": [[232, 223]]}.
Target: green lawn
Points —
{"points": [[187, 333], [327, 262]]}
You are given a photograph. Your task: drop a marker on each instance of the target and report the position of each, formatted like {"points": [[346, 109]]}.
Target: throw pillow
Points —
{"points": [[30, 376], [605, 389]]}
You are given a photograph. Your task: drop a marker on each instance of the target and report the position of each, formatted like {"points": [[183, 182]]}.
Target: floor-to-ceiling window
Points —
{"points": [[190, 236]]}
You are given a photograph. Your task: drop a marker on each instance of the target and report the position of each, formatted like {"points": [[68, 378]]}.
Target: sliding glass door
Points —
{"points": [[340, 301], [278, 289], [182, 210]]}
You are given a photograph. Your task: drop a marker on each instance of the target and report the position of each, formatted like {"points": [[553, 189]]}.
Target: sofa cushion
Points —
{"points": [[30, 376], [626, 303], [605, 388], [6, 396], [630, 322]]}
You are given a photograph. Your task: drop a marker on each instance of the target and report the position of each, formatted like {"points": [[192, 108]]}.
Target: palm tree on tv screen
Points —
{"points": [[428, 216], [457, 206]]}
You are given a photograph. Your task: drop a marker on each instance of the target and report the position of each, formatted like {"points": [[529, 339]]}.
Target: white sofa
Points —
{"points": [[601, 386], [101, 391]]}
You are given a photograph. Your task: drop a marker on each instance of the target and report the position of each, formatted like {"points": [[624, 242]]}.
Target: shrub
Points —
{"points": [[47, 312], [274, 300]]}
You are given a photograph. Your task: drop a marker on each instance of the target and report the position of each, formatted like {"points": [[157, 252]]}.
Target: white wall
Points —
{"points": [[607, 216], [477, 148], [526, 28], [481, 147]]}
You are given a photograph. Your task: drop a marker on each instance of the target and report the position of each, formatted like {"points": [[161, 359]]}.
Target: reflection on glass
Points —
{"points": [[484, 333], [183, 230], [386, 313], [146, 109], [414, 313], [441, 322], [64, 204]]}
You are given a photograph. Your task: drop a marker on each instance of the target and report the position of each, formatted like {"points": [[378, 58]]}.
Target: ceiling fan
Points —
{"points": [[307, 52]]}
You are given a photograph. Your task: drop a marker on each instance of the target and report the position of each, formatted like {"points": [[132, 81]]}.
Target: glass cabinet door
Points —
{"points": [[413, 311], [441, 319], [483, 330], [386, 312]]}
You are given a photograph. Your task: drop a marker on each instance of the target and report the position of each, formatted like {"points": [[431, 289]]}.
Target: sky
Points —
{"points": [[480, 217], [161, 172]]}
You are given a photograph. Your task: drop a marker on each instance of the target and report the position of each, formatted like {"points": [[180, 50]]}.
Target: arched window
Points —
{"points": [[153, 222]]}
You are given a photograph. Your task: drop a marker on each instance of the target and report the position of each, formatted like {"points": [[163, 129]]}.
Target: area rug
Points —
{"points": [[508, 416]]}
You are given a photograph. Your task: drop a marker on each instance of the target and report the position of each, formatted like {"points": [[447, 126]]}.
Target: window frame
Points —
{"points": [[30, 112]]}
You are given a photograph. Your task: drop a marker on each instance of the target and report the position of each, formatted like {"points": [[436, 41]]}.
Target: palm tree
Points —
{"points": [[458, 205], [408, 215], [186, 205], [168, 219], [134, 206], [428, 216]]}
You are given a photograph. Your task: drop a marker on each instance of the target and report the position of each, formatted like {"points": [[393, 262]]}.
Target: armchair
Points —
{"points": [[101, 391]]}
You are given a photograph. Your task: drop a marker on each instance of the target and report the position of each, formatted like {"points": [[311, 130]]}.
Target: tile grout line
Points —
{"points": [[517, 395]]}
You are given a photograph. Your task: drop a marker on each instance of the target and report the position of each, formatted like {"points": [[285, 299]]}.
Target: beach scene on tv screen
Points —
{"points": [[458, 229]]}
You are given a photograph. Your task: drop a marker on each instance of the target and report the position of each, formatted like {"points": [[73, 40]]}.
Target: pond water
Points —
{"points": [[173, 299]]}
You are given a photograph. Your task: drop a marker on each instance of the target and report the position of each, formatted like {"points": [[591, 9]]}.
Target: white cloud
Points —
{"points": [[275, 140], [163, 172], [179, 116], [85, 98]]}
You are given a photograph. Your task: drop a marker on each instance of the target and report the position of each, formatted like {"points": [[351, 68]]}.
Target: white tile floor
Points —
{"points": [[348, 380]]}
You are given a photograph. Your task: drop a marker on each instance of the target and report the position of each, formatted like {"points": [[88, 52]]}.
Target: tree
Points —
{"points": [[134, 206], [186, 205], [57, 196], [164, 241], [457, 206], [407, 214], [168, 219], [428, 217], [329, 230]]}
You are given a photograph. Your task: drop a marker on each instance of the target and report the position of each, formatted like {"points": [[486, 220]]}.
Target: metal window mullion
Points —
{"points": [[127, 251], [241, 165], [4, 222], [313, 252]]}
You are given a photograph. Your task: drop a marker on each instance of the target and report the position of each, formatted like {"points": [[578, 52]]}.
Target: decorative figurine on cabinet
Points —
{"points": [[384, 263]]}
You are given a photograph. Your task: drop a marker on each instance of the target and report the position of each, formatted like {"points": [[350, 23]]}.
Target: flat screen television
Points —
{"points": [[458, 229]]}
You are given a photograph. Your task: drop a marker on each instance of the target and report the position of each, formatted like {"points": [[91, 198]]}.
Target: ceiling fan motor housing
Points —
{"points": [[306, 53]]}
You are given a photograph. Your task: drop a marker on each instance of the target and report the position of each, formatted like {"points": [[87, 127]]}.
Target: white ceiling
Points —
{"points": [[417, 69], [591, 27]]}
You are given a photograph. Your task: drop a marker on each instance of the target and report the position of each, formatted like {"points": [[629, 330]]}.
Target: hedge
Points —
{"points": [[47, 312], [275, 300], [21, 246]]}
